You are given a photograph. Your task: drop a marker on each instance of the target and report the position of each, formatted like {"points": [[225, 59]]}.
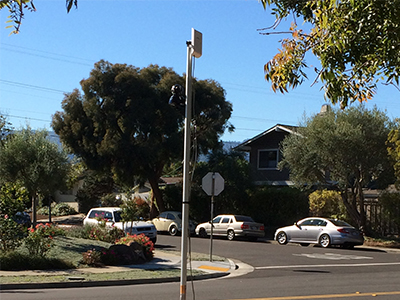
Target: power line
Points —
{"points": [[28, 118], [46, 56], [25, 85]]}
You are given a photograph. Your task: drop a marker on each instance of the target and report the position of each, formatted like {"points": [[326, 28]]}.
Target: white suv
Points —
{"points": [[112, 215]]}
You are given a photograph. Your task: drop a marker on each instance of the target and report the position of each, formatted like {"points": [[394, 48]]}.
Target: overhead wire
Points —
{"points": [[234, 86]]}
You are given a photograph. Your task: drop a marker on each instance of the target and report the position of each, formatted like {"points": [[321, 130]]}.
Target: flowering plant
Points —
{"points": [[106, 235], [40, 239], [142, 239], [92, 257]]}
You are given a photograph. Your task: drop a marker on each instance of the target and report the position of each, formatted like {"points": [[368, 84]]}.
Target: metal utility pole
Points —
{"points": [[194, 48]]}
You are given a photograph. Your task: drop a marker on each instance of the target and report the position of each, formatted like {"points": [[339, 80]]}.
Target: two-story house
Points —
{"points": [[265, 153]]}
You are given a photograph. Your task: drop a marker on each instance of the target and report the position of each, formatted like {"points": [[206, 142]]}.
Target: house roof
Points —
{"points": [[245, 146], [170, 180]]}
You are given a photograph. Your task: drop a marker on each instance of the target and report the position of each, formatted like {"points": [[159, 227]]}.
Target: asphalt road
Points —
{"points": [[280, 273]]}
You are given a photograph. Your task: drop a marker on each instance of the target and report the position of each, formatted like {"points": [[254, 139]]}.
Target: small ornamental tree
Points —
{"points": [[30, 159], [343, 149]]}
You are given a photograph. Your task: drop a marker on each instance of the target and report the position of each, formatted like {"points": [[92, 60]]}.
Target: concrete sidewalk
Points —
{"points": [[162, 260]]}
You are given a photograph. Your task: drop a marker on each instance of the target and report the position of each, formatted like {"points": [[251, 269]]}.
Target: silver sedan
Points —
{"points": [[322, 231], [232, 226]]}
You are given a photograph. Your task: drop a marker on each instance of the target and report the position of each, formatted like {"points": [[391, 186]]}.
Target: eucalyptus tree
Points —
{"points": [[29, 158], [123, 122], [356, 42], [341, 149]]}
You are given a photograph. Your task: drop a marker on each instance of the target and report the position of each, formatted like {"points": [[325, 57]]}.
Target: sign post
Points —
{"points": [[213, 185]]}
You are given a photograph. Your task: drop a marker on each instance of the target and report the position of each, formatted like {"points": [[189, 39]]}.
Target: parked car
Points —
{"points": [[171, 222], [112, 216], [23, 218], [322, 231], [232, 226]]}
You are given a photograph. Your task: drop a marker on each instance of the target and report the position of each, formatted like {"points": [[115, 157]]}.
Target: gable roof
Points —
{"points": [[245, 146]]}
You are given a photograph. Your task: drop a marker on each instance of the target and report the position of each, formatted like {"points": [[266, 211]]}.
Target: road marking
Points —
{"points": [[214, 268], [357, 294], [328, 265], [333, 256]]}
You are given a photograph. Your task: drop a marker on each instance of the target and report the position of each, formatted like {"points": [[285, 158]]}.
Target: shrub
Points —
{"points": [[109, 257], [277, 206], [134, 209], [329, 204], [102, 233], [13, 198], [11, 234], [59, 209], [15, 260], [92, 257], [40, 239], [143, 240]]}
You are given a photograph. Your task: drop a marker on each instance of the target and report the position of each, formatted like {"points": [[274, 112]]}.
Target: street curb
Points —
{"points": [[78, 284]]}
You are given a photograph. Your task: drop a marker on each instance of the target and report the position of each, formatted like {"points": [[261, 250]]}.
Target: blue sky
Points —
{"points": [[55, 50]]}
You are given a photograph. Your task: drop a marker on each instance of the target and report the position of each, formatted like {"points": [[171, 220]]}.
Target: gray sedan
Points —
{"points": [[232, 226], [322, 231]]}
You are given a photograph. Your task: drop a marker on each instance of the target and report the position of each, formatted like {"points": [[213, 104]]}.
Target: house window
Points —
{"points": [[268, 159]]}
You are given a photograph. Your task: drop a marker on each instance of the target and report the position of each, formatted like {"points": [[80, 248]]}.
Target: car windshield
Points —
{"points": [[340, 223], [117, 216], [243, 219]]}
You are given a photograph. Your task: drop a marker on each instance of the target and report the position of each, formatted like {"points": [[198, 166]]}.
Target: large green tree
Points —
{"points": [[30, 159], [344, 149], [356, 42], [17, 9], [123, 122]]}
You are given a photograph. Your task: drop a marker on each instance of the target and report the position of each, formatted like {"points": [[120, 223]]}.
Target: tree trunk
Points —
{"points": [[157, 196], [352, 211], [34, 216]]}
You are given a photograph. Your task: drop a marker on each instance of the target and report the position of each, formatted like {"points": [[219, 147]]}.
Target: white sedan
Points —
{"points": [[322, 231], [112, 216], [232, 226]]}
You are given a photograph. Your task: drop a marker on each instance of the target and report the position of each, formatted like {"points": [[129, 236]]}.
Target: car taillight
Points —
{"points": [[343, 230], [262, 228], [245, 226]]}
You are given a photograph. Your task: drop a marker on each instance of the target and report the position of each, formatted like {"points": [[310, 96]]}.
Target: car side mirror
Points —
{"points": [[297, 225]]}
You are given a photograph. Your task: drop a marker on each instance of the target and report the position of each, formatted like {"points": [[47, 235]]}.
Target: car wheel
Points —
{"points": [[202, 233], [154, 240], [281, 238], [173, 230], [324, 240], [230, 235]]}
